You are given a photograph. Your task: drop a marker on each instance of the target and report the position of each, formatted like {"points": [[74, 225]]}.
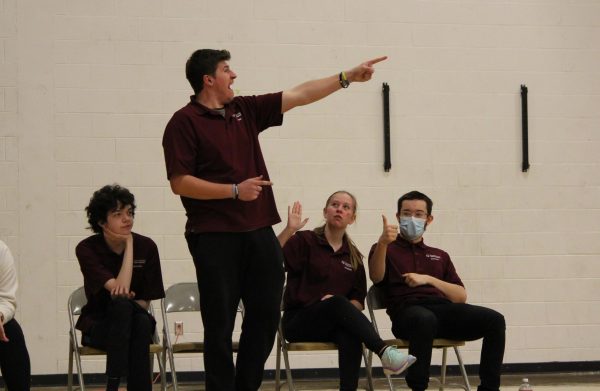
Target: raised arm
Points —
{"points": [[314, 90], [120, 286], [377, 259], [294, 223]]}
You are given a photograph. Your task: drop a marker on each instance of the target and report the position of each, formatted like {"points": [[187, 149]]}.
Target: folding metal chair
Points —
{"points": [[376, 300], [183, 297], [76, 301], [283, 347]]}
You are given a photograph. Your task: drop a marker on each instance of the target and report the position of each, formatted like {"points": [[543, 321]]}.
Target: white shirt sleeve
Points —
{"points": [[8, 283]]}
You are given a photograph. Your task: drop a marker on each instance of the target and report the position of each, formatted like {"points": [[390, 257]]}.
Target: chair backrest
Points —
{"points": [[376, 298], [76, 301], [182, 297]]}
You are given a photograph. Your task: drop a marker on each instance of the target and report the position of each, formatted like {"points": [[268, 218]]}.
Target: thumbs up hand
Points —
{"points": [[390, 232]]}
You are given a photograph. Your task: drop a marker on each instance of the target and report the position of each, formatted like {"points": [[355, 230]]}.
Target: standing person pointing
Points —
{"points": [[215, 163]]}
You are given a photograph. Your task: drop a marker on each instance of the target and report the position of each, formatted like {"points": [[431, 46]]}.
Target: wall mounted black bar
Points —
{"points": [[387, 163], [525, 165]]}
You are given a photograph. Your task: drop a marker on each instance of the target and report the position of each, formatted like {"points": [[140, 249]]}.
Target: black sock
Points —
{"points": [[113, 384]]}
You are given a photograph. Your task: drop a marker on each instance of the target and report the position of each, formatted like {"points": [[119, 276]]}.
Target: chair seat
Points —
{"points": [[301, 346], [156, 348], [437, 343], [196, 347], [89, 351]]}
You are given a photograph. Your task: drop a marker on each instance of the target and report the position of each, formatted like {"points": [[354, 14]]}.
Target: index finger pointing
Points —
{"points": [[264, 183], [376, 60], [385, 223]]}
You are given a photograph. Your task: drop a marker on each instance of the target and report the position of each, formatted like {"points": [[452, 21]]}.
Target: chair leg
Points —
{"points": [[462, 369], [278, 366], [70, 369], [288, 371], [443, 374], [173, 371], [162, 371], [79, 369], [367, 359], [390, 383]]}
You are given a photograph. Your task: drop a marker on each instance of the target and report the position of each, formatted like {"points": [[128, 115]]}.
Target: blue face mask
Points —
{"points": [[412, 228]]}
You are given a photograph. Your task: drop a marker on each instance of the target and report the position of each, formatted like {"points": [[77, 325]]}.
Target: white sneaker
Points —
{"points": [[395, 362]]}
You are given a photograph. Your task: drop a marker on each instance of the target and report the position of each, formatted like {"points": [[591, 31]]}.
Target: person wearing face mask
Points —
{"points": [[426, 297], [326, 289]]}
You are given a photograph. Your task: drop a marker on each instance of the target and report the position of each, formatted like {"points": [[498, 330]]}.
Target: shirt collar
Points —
{"points": [[405, 243], [345, 249], [203, 110]]}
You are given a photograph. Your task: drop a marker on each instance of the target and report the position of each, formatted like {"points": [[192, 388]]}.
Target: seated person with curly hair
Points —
{"points": [[121, 271]]}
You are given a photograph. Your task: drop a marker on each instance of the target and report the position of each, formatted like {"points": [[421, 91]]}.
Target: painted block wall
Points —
{"points": [[86, 88]]}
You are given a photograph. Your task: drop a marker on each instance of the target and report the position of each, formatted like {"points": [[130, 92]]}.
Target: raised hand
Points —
{"points": [[364, 71], [116, 237], [295, 222], [250, 189], [390, 232]]}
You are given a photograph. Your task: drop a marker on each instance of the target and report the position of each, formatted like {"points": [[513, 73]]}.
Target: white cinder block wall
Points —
{"points": [[86, 88]]}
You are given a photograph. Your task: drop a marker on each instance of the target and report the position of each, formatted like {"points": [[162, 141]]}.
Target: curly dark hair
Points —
{"points": [[105, 200], [203, 62]]}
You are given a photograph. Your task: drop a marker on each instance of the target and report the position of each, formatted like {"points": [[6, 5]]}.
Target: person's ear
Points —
{"points": [[208, 80], [429, 219]]}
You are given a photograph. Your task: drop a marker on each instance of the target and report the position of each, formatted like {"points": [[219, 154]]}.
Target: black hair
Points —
{"points": [[105, 200], [416, 195], [203, 62]]}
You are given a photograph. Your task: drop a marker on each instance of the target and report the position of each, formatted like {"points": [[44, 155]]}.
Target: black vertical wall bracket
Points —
{"points": [[525, 135], [387, 163]]}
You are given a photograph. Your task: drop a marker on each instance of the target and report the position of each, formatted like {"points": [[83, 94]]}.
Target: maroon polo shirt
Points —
{"points": [[99, 264], [223, 149], [405, 257], [315, 270]]}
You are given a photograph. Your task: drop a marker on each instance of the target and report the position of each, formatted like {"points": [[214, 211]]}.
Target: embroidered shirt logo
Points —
{"points": [[347, 265], [139, 262], [433, 257], [238, 116]]}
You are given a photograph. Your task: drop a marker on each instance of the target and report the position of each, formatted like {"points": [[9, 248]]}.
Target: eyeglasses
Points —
{"points": [[418, 214]]}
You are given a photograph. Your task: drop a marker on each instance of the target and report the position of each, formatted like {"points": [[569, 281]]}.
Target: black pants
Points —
{"points": [[335, 320], [14, 358], [125, 334], [421, 323], [230, 267]]}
